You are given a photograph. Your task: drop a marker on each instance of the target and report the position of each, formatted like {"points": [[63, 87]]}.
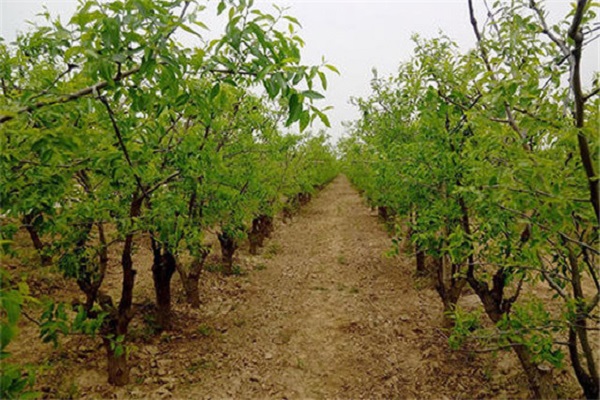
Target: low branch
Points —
{"points": [[71, 96]]}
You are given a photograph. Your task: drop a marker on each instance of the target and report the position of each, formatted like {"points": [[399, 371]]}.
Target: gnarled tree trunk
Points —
{"points": [[449, 287], [228, 248], [118, 370], [163, 268], [262, 226], [191, 276]]}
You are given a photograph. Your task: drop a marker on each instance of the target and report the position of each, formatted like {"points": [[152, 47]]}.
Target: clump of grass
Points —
{"points": [[214, 268], [205, 330], [260, 267], [273, 249], [238, 271], [342, 260], [200, 364], [353, 290]]}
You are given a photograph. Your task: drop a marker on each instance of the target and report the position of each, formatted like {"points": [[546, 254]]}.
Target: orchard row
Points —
{"points": [[490, 157], [114, 131]]}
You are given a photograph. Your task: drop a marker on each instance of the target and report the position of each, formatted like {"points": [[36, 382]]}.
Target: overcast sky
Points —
{"points": [[355, 36]]}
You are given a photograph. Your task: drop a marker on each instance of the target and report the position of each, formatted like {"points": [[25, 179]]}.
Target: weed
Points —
{"points": [[151, 327], [200, 364], [238, 271], [320, 288], [205, 330], [342, 260], [273, 249], [71, 392], [353, 290], [487, 373], [214, 268], [260, 267]]}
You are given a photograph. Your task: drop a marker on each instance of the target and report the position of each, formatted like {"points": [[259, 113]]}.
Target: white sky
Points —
{"points": [[355, 36]]}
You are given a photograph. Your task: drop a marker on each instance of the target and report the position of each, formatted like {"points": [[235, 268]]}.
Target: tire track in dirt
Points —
{"points": [[329, 315]]}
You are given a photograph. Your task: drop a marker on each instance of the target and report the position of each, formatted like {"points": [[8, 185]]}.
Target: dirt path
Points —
{"points": [[326, 314]]}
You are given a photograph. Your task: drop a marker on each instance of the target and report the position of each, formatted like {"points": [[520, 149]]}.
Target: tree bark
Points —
{"points": [[191, 277], [163, 268], [118, 322], [40, 247], [448, 287], [540, 381], [495, 305], [262, 227], [118, 370], [228, 248]]}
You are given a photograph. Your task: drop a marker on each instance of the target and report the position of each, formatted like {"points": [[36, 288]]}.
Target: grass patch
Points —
{"points": [[260, 267], [214, 268], [342, 260], [200, 364], [205, 330], [238, 271], [272, 250]]}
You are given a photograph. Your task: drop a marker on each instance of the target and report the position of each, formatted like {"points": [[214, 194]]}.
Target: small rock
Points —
{"points": [[84, 349], [268, 356], [254, 378], [164, 392]]}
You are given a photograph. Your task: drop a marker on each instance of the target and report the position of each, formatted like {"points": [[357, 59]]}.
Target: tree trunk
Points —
{"points": [[304, 198], [118, 323], [118, 371], [191, 277], [496, 305], [228, 247], [163, 268], [383, 213], [262, 227], [420, 258], [588, 383], [587, 374], [541, 382], [40, 247], [448, 287]]}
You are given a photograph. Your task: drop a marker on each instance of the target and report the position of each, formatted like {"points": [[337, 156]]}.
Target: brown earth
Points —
{"points": [[322, 312]]}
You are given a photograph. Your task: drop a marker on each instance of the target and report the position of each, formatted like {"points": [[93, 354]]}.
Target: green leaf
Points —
{"points": [[332, 68], [323, 79], [292, 19], [311, 94], [304, 120], [216, 89], [295, 108], [221, 7]]}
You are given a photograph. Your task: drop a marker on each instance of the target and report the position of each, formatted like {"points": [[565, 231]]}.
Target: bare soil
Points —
{"points": [[322, 312]]}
